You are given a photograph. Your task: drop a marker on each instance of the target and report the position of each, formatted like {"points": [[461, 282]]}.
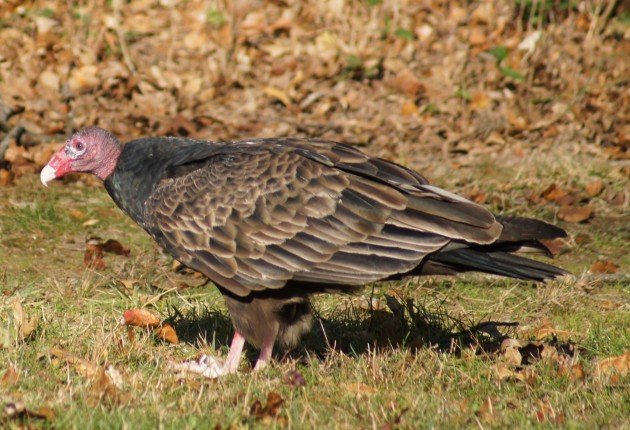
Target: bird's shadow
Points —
{"points": [[355, 331]]}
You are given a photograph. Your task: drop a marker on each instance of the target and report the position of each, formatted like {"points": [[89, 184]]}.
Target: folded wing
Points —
{"points": [[255, 215]]}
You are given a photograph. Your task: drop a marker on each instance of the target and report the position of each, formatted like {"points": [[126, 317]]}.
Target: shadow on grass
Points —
{"points": [[409, 326], [356, 331]]}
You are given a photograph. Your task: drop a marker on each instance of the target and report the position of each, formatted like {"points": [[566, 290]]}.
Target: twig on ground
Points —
{"points": [[15, 133], [7, 112]]}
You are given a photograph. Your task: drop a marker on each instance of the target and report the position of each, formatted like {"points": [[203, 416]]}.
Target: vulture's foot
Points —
{"points": [[206, 366], [265, 353], [209, 366]]}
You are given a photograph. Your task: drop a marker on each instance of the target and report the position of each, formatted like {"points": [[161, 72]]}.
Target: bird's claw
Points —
{"points": [[206, 366]]}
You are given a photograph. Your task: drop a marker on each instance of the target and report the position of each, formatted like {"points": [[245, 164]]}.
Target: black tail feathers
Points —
{"points": [[518, 235]]}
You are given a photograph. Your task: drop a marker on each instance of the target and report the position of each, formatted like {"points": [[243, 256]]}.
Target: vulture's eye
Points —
{"points": [[75, 148]]}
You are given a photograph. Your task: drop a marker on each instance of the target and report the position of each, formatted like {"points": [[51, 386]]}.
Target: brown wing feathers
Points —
{"points": [[315, 212]]}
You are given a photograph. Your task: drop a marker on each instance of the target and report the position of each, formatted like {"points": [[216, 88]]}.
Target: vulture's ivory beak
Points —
{"points": [[58, 166], [47, 175]]}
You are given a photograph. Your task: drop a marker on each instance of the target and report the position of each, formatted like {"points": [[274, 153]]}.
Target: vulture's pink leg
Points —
{"points": [[265, 353], [234, 356]]}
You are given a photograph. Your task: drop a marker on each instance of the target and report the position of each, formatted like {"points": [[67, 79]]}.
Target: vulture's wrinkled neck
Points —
{"points": [[110, 156]]}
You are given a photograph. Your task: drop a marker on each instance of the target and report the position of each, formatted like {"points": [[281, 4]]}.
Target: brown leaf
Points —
{"points": [[17, 410], [613, 366], [10, 377], [82, 366], [477, 36], [547, 330], [25, 325], [486, 410], [76, 214], [115, 247], [575, 214], [555, 246], [406, 83], [409, 108], [140, 318], [604, 266], [582, 238], [278, 94], [105, 388], [609, 305], [504, 371], [83, 79], [167, 332], [294, 378], [553, 193], [577, 372], [546, 413], [595, 187], [517, 121], [93, 256], [6, 177], [480, 100], [271, 408]]}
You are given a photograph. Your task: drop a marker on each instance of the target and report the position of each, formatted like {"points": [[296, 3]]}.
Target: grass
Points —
{"points": [[361, 366]]}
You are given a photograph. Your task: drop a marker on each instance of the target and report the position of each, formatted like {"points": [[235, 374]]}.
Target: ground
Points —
{"points": [[518, 107]]}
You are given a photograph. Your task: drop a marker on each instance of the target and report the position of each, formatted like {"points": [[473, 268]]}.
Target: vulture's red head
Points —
{"points": [[89, 150]]}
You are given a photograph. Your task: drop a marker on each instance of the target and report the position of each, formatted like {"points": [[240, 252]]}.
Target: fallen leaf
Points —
{"points": [[6, 177], [76, 214], [613, 366], [594, 188], [167, 332], [93, 256], [575, 214], [547, 330], [49, 79], [104, 388], [406, 83], [513, 356], [528, 44], [575, 372], [10, 377], [17, 410], [582, 238], [83, 79], [604, 266], [25, 326], [271, 409], [115, 247], [409, 108], [128, 283], [140, 318], [609, 305], [504, 371], [517, 121], [486, 410], [553, 193], [555, 246], [278, 94], [546, 413], [82, 366], [477, 36], [90, 222], [480, 100], [294, 379]]}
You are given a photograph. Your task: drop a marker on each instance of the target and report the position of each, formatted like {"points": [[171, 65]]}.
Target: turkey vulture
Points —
{"points": [[273, 221]]}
